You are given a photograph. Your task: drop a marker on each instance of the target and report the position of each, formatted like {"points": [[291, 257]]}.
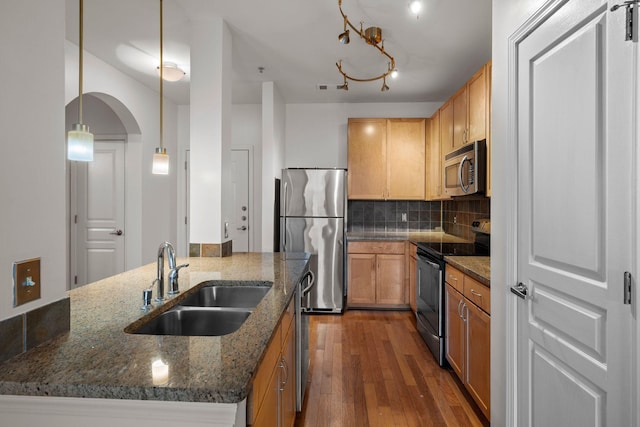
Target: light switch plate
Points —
{"points": [[26, 281]]}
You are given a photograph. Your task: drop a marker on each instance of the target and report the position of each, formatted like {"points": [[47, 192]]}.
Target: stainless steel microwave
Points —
{"points": [[465, 169]]}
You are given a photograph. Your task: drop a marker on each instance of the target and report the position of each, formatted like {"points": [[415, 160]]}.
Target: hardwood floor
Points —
{"points": [[371, 368]]}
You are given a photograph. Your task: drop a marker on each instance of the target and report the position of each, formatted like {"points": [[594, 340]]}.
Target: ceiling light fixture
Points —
{"points": [[415, 6], [171, 72], [160, 157], [373, 37], [79, 139]]}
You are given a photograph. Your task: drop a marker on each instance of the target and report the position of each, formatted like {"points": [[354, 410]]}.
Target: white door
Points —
{"points": [[240, 230], [100, 234], [574, 144]]}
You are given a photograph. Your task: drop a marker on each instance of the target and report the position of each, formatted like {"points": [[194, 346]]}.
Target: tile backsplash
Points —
{"points": [[454, 216], [457, 215], [373, 215]]}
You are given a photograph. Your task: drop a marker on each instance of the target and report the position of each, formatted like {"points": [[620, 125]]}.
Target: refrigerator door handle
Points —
{"points": [[312, 282], [284, 218]]}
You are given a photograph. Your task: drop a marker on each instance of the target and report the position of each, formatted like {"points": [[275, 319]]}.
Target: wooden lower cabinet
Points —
{"points": [[273, 398], [468, 339], [288, 378], [376, 275], [361, 278], [455, 331], [390, 279], [478, 342]]}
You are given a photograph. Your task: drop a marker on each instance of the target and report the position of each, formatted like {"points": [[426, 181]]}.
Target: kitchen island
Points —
{"points": [[98, 374]]}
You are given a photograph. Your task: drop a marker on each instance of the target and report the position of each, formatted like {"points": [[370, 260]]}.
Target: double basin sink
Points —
{"points": [[218, 307]]}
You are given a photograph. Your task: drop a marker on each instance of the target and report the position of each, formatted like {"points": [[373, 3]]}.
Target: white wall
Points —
{"points": [[316, 134], [155, 207], [508, 15], [32, 172], [210, 130]]}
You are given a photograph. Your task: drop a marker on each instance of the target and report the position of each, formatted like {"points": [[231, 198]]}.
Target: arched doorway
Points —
{"points": [[103, 196]]}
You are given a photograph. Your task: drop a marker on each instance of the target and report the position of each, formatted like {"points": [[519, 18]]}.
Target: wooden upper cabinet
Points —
{"points": [[460, 111], [434, 188], [446, 128], [477, 90], [367, 159], [384, 158], [405, 159]]}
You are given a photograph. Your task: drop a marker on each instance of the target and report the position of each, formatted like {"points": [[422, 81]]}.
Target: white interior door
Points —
{"points": [[240, 229], [100, 234], [574, 126]]}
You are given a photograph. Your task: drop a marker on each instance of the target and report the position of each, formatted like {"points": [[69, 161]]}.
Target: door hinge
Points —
{"points": [[75, 280], [185, 220], [631, 12], [75, 219], [627, 287], [185, 165]]}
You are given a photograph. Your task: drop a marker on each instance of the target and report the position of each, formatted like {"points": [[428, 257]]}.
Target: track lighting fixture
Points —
{"points": [[373, 37]]}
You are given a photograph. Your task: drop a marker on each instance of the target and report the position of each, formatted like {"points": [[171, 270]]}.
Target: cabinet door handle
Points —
{"points": [[475, 293], [464, 307], [285, 368], [459, 310]]}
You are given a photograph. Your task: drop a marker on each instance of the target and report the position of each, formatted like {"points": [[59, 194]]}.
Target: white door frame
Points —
{"points": [[73, 207], [511, 221]]}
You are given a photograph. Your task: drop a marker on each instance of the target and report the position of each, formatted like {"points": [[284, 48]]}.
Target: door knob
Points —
{"points": [[520, 290], [116, 232], [243, 228]]}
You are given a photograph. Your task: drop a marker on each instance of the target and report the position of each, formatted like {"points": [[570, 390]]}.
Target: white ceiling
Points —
{"points": [[296, 41]]}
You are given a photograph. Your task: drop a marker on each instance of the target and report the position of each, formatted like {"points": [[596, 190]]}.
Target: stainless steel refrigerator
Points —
{"points": [[312, 215]]}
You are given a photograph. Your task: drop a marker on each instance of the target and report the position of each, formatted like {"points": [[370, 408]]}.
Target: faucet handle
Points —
{"points": [[173, 279]]}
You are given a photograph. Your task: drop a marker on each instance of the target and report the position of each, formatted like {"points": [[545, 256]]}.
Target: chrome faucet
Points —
{"points": [[173, 273]]}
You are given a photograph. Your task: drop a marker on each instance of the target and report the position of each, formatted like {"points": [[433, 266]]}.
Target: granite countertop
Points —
{"points": [[97, 359], [478, 267], [418, 236]]}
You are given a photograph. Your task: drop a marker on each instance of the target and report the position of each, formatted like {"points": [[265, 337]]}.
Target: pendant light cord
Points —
{"points": [[80, 59], [161, 85]]}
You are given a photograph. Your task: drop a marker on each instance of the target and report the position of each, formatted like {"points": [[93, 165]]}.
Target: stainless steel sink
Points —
{"points": [[219, 307], [193, 321], [228, 294]]}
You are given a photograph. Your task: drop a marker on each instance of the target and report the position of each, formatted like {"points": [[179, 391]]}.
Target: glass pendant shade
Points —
{"points": [[160, 162], [80, 143]]}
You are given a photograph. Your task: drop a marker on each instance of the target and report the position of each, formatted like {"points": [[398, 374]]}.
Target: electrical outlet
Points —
{"points": [[26, 281], [403, 216]]}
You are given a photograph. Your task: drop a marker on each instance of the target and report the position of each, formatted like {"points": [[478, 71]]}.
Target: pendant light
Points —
{"points": [[79, 139], [161, 158]]}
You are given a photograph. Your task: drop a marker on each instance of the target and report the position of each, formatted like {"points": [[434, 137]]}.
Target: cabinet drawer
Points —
{"points": [[377, 247], [477, 293], [454, 277]]}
